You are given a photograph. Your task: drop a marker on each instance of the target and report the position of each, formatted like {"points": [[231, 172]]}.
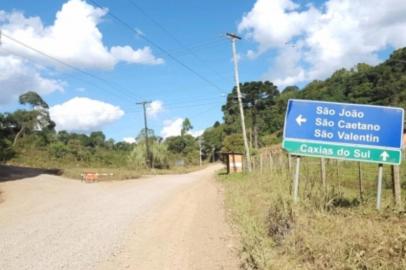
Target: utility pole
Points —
{"points": [[148, 156], [200, 151], [233, 39]]}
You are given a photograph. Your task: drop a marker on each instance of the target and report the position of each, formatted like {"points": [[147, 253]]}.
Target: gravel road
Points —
{"points": [[160, 222]]}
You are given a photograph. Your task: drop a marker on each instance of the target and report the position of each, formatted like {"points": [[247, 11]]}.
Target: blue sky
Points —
{"points": [[288, 42]]}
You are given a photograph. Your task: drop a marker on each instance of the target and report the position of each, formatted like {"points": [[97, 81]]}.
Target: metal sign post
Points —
{"points": [[364, 133], [379, 187]]}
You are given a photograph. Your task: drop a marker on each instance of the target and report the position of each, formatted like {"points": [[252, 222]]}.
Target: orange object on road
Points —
{"points": [[90, 177]]}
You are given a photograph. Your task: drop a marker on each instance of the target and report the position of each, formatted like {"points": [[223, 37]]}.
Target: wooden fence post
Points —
{"points": [[396, 188], [338, 175], [289, 163], [296, 180], [361, 189], [323, 172], [261, 163]]}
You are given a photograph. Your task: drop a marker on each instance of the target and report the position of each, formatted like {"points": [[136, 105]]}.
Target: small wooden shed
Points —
{"points": [[234, 162]]}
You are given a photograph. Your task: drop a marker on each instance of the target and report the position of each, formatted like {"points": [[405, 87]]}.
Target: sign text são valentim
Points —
{"points": [[345, 131]]}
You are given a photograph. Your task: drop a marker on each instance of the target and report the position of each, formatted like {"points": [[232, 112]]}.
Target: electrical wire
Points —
{"points": [[70, 66], [174, 108], [164, 29], [159, 47]]}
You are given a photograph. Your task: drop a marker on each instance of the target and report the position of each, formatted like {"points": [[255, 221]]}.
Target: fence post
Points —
{"points": [[261, 163], [323, 172], [361, 189], [289, 163], [296, 180], [338, 175], [396, 188]]}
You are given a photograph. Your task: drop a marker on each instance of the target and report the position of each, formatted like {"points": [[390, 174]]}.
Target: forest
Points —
{"points": [[28, 135], [265, 105]]}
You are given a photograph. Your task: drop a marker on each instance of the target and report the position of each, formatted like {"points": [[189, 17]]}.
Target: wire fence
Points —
{"points": [[349, 175]]}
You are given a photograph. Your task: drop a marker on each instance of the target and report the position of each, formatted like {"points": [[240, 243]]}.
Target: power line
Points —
{"points": [[156, 45], [55, 59], [203, 45], [186, 106], [164, 29]]}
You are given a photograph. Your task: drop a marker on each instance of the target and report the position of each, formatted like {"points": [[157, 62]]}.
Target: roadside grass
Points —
{"points": [[326, 229], [117, 170]]}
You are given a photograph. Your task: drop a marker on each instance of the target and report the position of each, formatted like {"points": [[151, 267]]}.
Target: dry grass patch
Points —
{"points": [[325, 230]]}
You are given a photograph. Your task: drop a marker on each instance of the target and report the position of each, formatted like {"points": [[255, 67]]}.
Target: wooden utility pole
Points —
{"points": [[148, 154], [233, 39], [200, 151]]}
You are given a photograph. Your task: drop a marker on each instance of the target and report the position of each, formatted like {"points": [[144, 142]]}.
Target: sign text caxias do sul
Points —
{"points": [[344, 131]]}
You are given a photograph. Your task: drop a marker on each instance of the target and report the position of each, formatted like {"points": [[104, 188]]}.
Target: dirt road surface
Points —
{"points": [[161, 222]]}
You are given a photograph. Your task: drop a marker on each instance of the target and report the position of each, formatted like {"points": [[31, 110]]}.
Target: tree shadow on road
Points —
{"points": [[11, 173]]}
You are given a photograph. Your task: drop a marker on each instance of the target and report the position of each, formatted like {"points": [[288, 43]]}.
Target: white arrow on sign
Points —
{"points": [[300, 120], [384, 155]]}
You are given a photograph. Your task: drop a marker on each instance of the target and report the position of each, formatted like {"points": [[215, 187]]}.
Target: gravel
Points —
{"points": [[48, 222]]}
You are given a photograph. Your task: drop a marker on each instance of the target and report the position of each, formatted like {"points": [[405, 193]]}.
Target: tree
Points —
{"points": [[159, 155], [6, 137], [258, 99], [141, 135], [234, 144], [213, 140], [36, 119], [181, 144], [186, 126], [97, 139]]}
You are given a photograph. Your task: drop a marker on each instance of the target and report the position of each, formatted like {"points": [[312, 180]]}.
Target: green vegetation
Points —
{"points": [[327, 229], [265, 106], [28, 138], [330, 228]]}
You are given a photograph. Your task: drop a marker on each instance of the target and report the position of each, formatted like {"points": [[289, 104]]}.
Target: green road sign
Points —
{"points": [[331, 150]]}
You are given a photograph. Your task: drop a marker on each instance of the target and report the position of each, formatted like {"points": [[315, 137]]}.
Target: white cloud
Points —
{"points": [[18, 76], [74, 37], [140, 56], [172, 128], [84, 114], [154, 108], [285, 70], [273, 23], [196, 133], [129, 140], [339, 34]]}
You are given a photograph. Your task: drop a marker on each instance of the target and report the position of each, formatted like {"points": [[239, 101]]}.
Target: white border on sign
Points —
{"points": [[344, 103], [350, 159]]}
